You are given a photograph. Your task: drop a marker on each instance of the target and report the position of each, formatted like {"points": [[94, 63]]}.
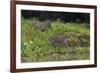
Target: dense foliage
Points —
{"points": [[53, 16], [54, 41]]}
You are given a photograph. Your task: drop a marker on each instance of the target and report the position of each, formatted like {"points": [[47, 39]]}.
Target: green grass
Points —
{"points": [[35, 46]]}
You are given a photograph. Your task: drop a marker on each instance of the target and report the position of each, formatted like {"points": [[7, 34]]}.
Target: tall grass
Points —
{"points": [[35, 46]]}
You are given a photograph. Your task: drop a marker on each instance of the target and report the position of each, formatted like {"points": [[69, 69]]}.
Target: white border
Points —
{"points": [[20, 65]]}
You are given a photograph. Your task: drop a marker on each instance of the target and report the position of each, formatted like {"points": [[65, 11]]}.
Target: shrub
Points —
{"points": [[78, 39]]}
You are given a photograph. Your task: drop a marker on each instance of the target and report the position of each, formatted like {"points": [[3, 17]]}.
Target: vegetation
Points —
{"points": [[54, 41]]}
